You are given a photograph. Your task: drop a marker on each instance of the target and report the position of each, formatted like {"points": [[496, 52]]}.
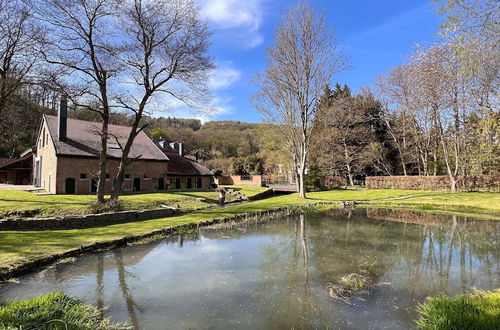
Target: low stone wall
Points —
{"points": [[86, 221]]}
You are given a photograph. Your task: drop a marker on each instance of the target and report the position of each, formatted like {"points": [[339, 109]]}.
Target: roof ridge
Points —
{"points": [[88, 121]]}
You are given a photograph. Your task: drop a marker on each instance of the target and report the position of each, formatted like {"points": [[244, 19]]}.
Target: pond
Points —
{"points": [[278, 272]]}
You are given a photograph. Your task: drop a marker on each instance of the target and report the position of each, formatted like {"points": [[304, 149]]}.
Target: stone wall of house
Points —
{"points": [[83, 170], [86, 221], [46, 154]]}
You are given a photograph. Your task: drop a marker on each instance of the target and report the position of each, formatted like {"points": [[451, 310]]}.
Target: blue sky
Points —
{"points": [[375, 35]]}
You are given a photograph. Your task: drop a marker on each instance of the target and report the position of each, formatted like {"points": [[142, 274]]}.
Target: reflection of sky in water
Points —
{"points": [[268, 276]]}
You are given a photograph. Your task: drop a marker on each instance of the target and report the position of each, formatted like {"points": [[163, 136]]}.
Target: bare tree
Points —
{"points": [[441, 86], [300, 64], [471, 18], [82, 49], [18, 40], [167, 54]]}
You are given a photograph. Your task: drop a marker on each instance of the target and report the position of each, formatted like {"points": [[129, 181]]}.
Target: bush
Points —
{"points": [[314, 178], [479, 310], [52, 311]]}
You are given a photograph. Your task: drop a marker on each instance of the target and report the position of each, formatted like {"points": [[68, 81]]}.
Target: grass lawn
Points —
{"points": [[17, 201], [249, 191], [17, 248]]}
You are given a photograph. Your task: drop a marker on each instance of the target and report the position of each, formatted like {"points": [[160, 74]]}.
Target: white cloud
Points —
{"points": [[223, 76], [244, 16]]}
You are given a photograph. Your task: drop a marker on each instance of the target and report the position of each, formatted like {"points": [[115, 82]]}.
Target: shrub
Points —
{"points": [[479, 310], [52, 311], [314, 179]]}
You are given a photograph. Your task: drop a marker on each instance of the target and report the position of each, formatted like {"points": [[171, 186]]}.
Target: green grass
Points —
{"points": [[17, 248], [19, 201], [52, 311], [479, 310], [249, 191]]}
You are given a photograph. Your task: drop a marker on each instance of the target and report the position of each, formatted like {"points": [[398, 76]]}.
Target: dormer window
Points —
{"points": [[113, 146]]}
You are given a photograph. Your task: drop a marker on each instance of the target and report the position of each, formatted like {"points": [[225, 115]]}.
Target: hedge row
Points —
{"points": [[489, 183]]}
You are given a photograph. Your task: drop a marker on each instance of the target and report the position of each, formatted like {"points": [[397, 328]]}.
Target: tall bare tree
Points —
{"points": [[167, 54], [18, 43], [299, 65], [82, 48]]}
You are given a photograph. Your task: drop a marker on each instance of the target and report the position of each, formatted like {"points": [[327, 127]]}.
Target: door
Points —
{"points": [[93, 185], [70, 186], [177, 183], [137, 184], [161, 184], [198, 183], [189, 183]]}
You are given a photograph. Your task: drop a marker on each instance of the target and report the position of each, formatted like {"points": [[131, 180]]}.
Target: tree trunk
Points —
{"points": [[302, 190], [351, 179], [101, 185], [124, 161]]}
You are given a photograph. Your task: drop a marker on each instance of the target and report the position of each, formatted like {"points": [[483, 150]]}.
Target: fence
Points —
{"points": [[489, 183]]}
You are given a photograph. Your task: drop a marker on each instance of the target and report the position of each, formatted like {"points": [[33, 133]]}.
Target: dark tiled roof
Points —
{"points": [[9, 162], [4, 161], [178, 165], [83, 140]]}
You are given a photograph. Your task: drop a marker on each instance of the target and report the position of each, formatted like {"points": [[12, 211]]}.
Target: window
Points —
{"points": [[198, 183], [83, 176], [127, 175], [113, 145], [189, 183], [107, 175]]}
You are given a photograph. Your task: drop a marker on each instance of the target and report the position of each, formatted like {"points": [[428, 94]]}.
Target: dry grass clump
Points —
{"points": [[355, 283]]}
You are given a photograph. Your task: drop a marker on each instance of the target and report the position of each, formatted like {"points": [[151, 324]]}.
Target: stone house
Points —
{"points": [[66, 160]]}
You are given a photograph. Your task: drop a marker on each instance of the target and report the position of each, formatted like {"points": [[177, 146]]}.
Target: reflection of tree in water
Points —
{"points": [[100, 281], [419, 260], [286, 290], [127, 295]]}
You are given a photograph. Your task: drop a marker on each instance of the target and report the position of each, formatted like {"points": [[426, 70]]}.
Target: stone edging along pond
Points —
{"points": [[30, 266], [86, 221]]}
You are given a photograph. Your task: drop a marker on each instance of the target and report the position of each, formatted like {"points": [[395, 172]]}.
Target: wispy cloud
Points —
{"points": [[223, 77], [244, 17]]}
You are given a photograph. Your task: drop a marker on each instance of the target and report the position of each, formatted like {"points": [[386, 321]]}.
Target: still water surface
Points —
{"points": [[274, 273]]}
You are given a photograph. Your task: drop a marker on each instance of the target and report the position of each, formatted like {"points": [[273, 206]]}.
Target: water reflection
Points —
{"points": [[272, 273]]}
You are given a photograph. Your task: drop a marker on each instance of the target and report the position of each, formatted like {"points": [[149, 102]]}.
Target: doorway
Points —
{"points": [[161, 183], [70, 186], [137, 184]]}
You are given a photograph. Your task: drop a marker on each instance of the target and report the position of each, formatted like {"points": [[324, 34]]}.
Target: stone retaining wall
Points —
{"points": [[86, 221]]}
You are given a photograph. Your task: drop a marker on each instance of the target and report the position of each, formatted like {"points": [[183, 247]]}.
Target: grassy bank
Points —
{"points": [[22, 201], [247, 190], [17, 248], [478, 310], [52, 311]]}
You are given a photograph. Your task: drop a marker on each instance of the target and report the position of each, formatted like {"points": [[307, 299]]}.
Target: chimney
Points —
{"points": [[181, 151], [62, 119]]}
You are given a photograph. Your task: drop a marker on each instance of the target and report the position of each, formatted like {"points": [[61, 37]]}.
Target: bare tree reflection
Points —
{"points": [[129, 300]]}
